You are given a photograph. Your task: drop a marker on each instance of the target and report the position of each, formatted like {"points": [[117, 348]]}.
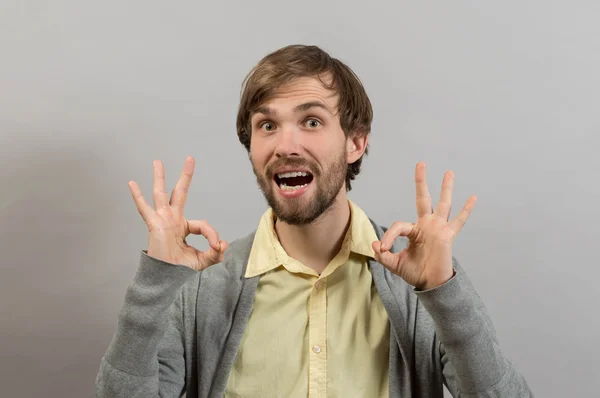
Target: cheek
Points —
{"points": [[261, 151], [333, 154], [254, 159], [258, 158]]}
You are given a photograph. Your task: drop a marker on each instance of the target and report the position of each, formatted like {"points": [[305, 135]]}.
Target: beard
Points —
{"points": [[302, 210]]}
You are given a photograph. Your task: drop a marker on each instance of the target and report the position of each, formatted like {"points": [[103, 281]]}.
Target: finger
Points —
{"points": [[143, 207], [212, 256], [461, 219], [395, 230], [388, 259], [159, 193], [443, 207], [180, 192], [383, 257], [201, 227], [423, 197]]}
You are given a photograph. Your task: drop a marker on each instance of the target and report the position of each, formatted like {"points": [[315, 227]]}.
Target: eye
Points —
{"points": [[266, 126], [312, 123]]}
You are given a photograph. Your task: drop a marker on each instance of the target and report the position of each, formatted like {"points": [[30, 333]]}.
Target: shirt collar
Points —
{"points": [[267, 253]]}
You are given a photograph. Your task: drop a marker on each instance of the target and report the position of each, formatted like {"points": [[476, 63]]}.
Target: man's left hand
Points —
{"points": [[427, 261]]}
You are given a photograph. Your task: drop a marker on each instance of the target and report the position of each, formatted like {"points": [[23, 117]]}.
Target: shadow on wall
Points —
{"points": [[57, 220]]}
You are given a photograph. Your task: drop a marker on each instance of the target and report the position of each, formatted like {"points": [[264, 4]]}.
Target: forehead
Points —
{"points": [[303, 90]]}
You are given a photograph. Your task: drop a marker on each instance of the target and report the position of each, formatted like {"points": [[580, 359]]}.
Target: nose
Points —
{"points": [[288, 142]]}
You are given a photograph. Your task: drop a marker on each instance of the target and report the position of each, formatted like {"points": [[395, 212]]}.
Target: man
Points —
{"points": [[320, 300]]}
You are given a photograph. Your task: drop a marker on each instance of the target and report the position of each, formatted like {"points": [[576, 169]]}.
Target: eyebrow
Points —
{"points": [[314, 104], [265, 110]]}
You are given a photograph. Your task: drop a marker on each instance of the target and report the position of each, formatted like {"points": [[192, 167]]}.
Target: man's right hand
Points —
{"points": [[167, 226]]}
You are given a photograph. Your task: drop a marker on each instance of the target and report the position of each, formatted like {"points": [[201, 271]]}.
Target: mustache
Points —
{"points": [[291, 162]]}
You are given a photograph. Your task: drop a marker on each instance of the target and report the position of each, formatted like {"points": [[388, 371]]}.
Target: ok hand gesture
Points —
{"points": [[167, 226], [427, 261]]}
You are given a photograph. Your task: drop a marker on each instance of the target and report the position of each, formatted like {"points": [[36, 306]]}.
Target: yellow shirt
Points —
{"points": [[313, 335]]}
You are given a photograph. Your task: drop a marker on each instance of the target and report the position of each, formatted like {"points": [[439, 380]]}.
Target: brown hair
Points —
{"points": [[294, 61]]}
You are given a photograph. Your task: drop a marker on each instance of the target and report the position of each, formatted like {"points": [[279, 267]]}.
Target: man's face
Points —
{"points": [[299, 151]]}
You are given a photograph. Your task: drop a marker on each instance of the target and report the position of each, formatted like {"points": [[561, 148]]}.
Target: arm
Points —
{"points": [[472, 362], [146, 355]]}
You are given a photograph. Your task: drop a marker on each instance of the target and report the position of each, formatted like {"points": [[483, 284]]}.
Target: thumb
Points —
{"points": [[212, 256], [386, 258]]}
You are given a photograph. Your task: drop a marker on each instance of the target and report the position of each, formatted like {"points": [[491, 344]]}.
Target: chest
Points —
{"points": [[312, 335]]}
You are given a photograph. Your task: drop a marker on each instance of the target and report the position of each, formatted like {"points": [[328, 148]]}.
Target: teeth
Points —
{"points": [[287, 188], [292, 174]]}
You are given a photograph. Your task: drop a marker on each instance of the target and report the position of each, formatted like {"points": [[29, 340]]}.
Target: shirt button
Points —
{"points": [[319, 285], [316, 349]]}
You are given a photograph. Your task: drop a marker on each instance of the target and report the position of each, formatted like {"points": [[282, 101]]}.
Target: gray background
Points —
{"points": [[504, 94]]}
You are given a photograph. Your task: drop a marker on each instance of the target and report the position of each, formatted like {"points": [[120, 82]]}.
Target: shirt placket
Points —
{"points": [[317, 384]]}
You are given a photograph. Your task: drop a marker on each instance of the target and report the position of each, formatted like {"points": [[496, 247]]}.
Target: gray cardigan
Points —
{"points": [[179, 331]]}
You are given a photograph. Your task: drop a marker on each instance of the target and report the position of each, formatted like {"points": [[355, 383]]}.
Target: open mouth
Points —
{"points": [[294, 180]]}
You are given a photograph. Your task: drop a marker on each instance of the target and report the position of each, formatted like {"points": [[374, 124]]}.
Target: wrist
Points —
{"points": [[437, 281]]}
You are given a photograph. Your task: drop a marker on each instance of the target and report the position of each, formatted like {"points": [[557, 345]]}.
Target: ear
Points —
{"points": [[356, 146]]}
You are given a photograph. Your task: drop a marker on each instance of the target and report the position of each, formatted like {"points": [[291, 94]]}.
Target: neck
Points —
{"points": [[316, 244]]}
